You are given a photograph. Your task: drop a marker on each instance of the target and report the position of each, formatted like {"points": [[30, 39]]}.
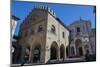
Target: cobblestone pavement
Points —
{"points": [[69, 60]]}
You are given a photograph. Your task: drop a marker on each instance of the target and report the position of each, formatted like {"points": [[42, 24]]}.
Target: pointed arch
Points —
{"points": [[37, 53], [79, 49], [54, 51], [62, 51]]}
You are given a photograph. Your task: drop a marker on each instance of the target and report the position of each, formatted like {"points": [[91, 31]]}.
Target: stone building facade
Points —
{"points": [[93, 40], [43, 37], [81, 38], [14, 38], [14, 20]]}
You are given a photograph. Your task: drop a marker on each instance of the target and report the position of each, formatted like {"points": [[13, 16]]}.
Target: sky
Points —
{"points": [[68, 13]]}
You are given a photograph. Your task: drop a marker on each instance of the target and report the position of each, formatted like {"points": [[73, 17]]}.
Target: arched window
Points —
{"points": [[78, 29], [63, 34], [53, 29], [40, 28]]}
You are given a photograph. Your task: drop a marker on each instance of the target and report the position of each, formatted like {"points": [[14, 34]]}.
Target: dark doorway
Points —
{"points": [[54, 51], [80, 51], [16, 53], [36, 55], [62, 52], [67, 52]]}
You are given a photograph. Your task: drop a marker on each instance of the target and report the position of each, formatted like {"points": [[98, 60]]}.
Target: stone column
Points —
{"points": [[42, 55], [30, 55], [84, 51], [76, 53], [65, 56], [58, 54]]}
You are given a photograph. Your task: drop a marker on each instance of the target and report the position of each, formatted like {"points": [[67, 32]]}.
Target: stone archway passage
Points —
{"points": [[62, 51], [67, 52], [79, 50], [72, 51], [54, 51], [36, 54]]}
